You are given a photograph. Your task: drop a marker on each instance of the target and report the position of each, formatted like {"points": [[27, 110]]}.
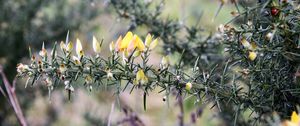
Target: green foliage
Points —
{"points": [[258, 73]]}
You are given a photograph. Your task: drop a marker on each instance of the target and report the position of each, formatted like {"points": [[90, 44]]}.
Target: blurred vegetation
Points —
{"points": [[26, 23]]}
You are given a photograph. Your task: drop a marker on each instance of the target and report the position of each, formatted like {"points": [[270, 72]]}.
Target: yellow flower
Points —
{"points": [[96, 45], [69, 47], [136, 43], [149, 43], [43, 52], [253, 46], [295, 120], [118, 44], [125, 42], [148, 40], [188, 86], [252, 55], [245, 43], [153, 44], [79, 50], [141, 77], [66, 48]]}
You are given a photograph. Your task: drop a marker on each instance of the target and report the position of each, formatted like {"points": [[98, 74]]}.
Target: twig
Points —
{"points": [[181, 115], [13, 98], [111, 112]]}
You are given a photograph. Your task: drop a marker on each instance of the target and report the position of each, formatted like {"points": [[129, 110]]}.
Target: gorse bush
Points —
{"points": [[259, 71]]}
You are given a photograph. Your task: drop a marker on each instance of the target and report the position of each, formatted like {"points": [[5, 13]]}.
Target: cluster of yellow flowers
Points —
{"points": [[252, 54], [132, 43]]}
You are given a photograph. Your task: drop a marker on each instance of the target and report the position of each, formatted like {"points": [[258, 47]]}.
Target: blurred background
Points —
{"points": [[25, 23]]}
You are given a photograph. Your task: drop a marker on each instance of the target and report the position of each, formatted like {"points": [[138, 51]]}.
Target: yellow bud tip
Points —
{"points": [[153, 44], [252, 55], [295, 118], [96, 45], [140, 74], [148, 40], [188, 86], [79, 50]]}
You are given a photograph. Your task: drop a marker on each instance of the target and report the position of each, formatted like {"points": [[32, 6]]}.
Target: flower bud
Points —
{"points": [[76, 61], [43, 52], [148, 40], [96, 45], [153, 44], [69, 47], [188, 86], [141, 77], [252, 55], [245, 43], [79, 50], [112, 47], [164, 62]]}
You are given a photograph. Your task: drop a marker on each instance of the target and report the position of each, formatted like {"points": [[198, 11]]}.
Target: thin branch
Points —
{"points": [[13, 98]]}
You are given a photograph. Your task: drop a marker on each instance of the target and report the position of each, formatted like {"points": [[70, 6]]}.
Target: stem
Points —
{"points": [[13, 98], [181, 114]]}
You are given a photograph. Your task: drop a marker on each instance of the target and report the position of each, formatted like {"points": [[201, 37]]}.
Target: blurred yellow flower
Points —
{"points": [[148, 40], [295, 120], [136, 43], [141, 77], [96, 45], [252, 55], [69, 47], [149, 43], [79, 50], [245, 43], [118, 44], [188, 86], [253, 46], [125, 41]]}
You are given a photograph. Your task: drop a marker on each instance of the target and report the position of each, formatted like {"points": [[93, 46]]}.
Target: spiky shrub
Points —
{"points": [[266, 47], [259, 72]]}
